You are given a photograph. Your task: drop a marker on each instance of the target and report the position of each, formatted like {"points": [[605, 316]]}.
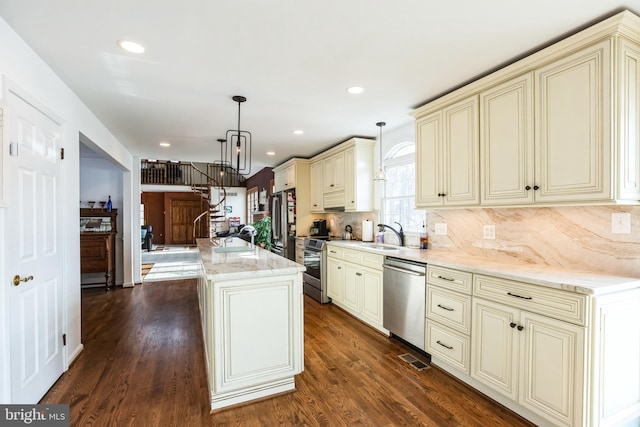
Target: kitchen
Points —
{"points": [[583, 233]]}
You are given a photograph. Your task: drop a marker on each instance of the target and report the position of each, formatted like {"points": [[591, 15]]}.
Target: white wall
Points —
{"points": [[25, 69]]}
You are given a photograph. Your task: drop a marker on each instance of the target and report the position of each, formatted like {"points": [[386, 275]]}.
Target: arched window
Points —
{"points": [[400, 188]]}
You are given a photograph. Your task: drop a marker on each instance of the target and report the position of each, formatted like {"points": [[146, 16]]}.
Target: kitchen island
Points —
{"points": [[251, 309]]}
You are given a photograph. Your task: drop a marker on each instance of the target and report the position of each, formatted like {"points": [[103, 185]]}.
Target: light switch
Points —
{"points": [[621, 223], [441, 229]]}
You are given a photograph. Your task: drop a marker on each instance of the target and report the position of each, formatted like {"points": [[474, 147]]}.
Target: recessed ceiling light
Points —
{"points": [[298, 132], [355, 90], [165, 144], [130, 46], [271, 153]]}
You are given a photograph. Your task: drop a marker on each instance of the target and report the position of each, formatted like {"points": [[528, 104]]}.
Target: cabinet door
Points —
{"points": [[573, 131], [372, 295], [334, 173], [552, 368], [316, 187], [352, 284], [495, 347], [335, 280], [461, 153], [350, 180], [429, 185], [629, 173], [506, 143]]}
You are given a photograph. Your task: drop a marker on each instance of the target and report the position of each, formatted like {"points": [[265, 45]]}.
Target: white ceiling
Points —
{"points": [[292, 59]]}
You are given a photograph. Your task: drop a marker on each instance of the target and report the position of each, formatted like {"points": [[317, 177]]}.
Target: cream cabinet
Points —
{"points": [[506, 143], [535, 360], [556, 127], [573, 127], [317, 190], [300, 250], [3, 161], [354, 283], [333, 168], [285, 179], [447, 153], [448, 316], [345, 179]]}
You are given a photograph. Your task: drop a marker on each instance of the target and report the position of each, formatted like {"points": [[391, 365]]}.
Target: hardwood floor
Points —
{"points": [[143, 365]]}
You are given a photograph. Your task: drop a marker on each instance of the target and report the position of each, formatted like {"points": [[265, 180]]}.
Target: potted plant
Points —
{"points": [[263, 232]]}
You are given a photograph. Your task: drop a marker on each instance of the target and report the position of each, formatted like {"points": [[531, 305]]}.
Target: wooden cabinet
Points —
{"points": [[535, 360], [317, 189], [354, 280], [447, 153], [97, 246]]}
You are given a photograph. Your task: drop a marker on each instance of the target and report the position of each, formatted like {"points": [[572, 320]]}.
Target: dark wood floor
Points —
{"points": [[143, 365]]}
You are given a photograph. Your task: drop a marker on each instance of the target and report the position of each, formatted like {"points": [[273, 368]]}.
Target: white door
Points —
{"points": [[34, 249]]}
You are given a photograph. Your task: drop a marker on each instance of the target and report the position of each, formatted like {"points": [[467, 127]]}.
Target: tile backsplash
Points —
{"points": [[573, 236]]}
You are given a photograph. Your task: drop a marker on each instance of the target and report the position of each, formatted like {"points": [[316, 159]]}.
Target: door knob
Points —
{"points": [[17, 279]]}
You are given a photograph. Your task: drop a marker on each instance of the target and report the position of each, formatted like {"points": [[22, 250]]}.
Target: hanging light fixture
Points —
{"points": [[239, 145], [380, 175]]}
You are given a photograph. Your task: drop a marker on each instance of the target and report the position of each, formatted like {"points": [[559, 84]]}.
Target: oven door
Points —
{"points": [[313, 262]]}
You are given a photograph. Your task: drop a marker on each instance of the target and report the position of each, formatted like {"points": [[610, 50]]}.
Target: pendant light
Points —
{"points": [[239, 145], [380, 175]]}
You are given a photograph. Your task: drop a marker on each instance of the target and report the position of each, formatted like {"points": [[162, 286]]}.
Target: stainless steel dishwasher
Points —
{"points": [[404, 291]]}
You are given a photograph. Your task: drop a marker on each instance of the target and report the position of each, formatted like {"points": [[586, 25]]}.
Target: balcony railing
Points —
{"points": [[181, 173]]}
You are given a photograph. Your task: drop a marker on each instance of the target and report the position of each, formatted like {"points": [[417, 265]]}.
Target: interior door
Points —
{"points": [[34, 251], [183, 212]]}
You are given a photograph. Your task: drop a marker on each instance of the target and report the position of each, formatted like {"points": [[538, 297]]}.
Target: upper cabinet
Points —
{"points": [[284, 177], [447, 153], [559, 126], [342, 177]]}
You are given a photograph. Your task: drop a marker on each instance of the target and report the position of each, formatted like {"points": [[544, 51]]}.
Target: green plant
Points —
{"points": [[263, 232]]}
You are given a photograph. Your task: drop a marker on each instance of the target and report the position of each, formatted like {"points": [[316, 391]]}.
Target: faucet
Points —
{"points": [[400, 233], [251, 231]]}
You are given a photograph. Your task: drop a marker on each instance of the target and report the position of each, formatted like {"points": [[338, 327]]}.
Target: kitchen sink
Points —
{"points": [[227, 249], [380, 247]]}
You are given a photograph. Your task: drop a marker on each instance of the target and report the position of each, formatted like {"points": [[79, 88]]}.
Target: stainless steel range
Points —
{"points": [[315, 278]]}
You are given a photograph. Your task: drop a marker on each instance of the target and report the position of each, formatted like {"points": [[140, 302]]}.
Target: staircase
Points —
{"points": [[212, 212]]}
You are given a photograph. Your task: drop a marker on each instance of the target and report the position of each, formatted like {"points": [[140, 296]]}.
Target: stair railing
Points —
{"points": [[201, 184]]}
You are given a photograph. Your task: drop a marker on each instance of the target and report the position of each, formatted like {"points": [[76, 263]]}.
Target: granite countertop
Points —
{"points": [[580, 281], [244, 260]]}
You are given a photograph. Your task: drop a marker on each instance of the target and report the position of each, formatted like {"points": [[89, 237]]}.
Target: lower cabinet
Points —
{"points": [[355, 287], [534, 360]]}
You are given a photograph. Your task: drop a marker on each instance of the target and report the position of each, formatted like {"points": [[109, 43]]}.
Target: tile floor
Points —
{"points": [[173, 262]]}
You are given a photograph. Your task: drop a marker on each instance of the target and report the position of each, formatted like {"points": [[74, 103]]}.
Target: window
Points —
{"points": [[399, 189]]}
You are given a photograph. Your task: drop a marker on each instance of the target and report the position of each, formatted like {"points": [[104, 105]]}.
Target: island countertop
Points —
{"points": [[242, 260]]}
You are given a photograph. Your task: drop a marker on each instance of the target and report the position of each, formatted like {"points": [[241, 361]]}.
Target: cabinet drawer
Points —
{"points": [[334, 252], [452, 309], [363, 258], [448, 345], [555, 303], [352, 255], [448, 278]]}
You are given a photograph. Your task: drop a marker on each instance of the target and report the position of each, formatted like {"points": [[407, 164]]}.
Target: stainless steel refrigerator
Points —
{"points": [[283, 224]]}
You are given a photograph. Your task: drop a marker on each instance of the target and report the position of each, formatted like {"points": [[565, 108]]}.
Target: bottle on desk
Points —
{"points": [[109, 205], [424, 238]]}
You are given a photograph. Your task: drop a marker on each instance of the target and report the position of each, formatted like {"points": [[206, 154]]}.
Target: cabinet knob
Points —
{"points": [[513, 325], [520, 327], [358, 274], [528, 187], [535, 187]]}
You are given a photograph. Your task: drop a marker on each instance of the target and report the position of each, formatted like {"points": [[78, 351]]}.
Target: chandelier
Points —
{"points": [[238, 146]]}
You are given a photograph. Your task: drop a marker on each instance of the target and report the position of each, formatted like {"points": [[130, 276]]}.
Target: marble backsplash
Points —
{"points": [[577, 237]]}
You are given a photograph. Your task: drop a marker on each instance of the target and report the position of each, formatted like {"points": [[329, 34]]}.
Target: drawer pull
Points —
{"points": [[445, 346], [518, 296], [358, 274], [445, 308], [446, 278], [333, 252]]}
